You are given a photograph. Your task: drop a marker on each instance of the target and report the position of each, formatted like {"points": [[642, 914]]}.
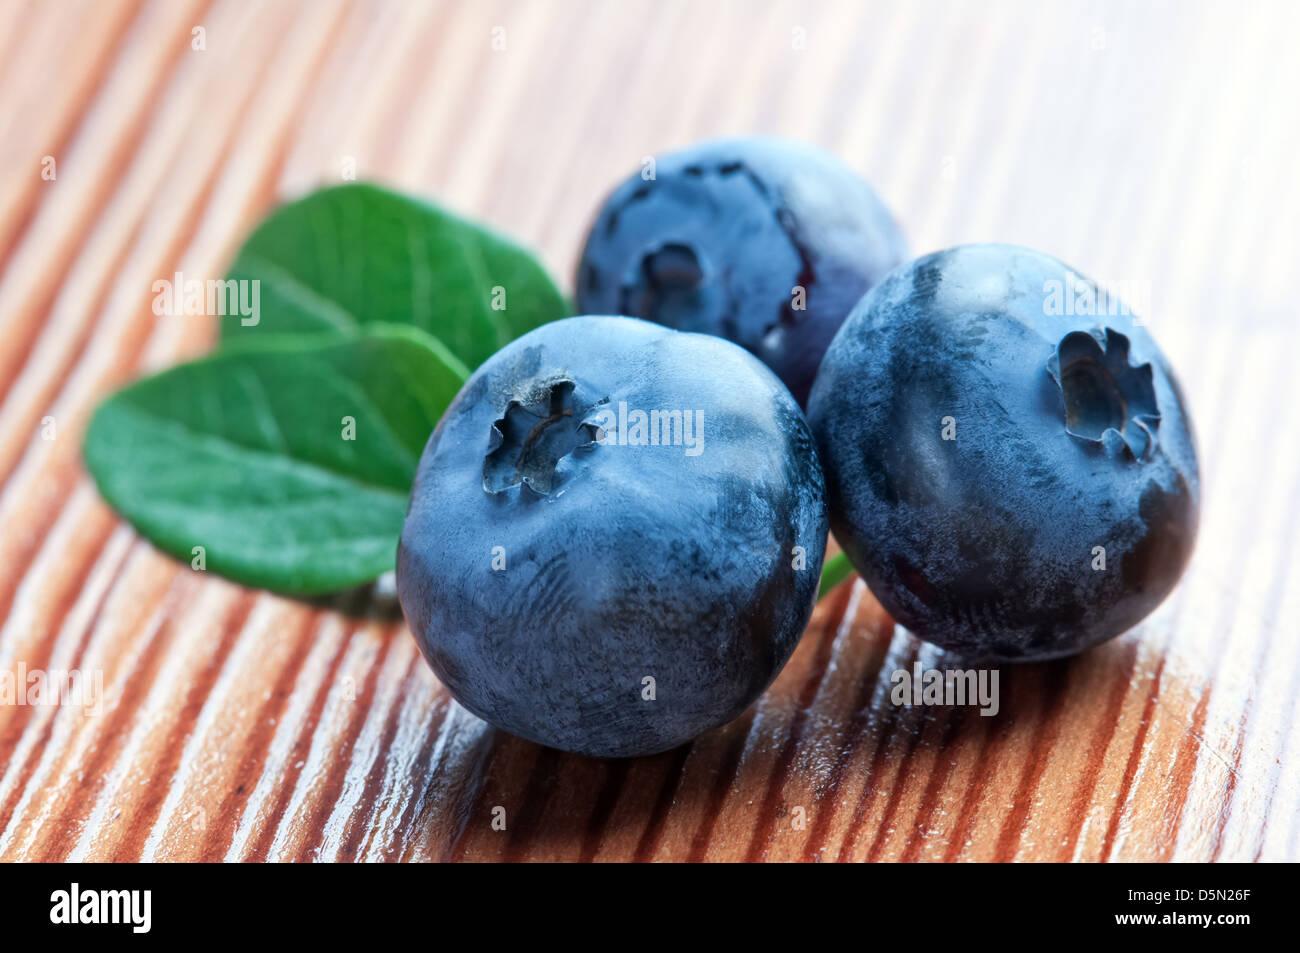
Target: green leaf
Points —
{"points": [[834, 571], [244, 454], [355, 255]]}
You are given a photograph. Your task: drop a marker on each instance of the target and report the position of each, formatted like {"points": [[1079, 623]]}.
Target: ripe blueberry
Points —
{"points": [[765, 242], [1008, 460], [615, 536]]}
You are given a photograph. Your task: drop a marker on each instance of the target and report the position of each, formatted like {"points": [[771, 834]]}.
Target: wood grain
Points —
{"points": [[1145, 142]]}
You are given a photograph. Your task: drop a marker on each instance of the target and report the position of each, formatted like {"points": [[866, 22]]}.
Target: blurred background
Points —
{"points": [[1145, 143]]}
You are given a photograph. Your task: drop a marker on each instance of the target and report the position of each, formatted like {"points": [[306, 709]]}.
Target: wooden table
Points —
{"points": [[1139, 142]]}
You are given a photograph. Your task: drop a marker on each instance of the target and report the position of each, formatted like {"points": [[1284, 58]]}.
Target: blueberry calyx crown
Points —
{"points": [[663, 281], [1108, 401], [537, 431]]}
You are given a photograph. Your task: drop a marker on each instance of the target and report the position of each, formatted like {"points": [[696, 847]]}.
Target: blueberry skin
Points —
{"points": [[621, 561], [1070, 433], [718, 240]]}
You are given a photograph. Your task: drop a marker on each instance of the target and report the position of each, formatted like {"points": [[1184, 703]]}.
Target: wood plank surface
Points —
{"points": [[1151, 142]]}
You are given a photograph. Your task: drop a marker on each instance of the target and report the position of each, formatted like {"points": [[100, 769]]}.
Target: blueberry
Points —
{"points": [[615, 536], [765, 242], [1008, 460]]}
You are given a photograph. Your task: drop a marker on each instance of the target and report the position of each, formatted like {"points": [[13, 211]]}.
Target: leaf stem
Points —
{"points": [[834, 571]]}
